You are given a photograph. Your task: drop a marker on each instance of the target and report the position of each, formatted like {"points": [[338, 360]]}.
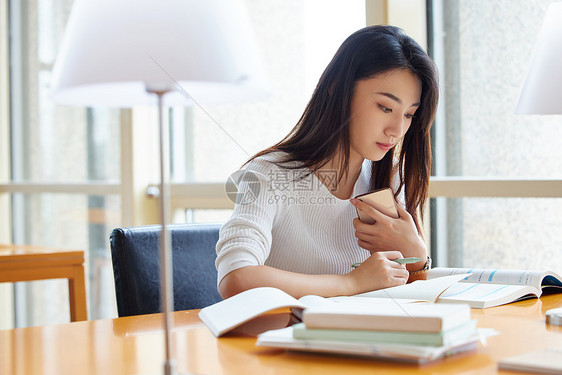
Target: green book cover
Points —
{"points": [[448, 337]]}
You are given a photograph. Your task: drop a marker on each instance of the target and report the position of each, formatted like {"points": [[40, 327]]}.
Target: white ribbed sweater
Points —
{"points": [[296, 226]]}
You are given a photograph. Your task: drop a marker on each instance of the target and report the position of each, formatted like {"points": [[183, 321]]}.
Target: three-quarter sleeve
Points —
{"points": [[245, 239]]}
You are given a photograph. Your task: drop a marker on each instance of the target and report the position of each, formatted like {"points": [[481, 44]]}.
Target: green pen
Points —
{"points": [[398, 260]]}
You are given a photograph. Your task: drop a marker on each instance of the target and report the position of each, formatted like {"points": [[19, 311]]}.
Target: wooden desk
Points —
{"points": [[29, 263], [134, 345]]}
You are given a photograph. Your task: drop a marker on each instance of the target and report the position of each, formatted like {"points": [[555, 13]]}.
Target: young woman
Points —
{"points": [[366, 127]]}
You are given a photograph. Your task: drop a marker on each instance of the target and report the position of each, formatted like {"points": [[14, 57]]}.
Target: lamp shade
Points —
{"points": [[113, 50], [541, 92]]}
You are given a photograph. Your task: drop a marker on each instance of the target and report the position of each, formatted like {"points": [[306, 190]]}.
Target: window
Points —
{"points": [[483, 50], [61, 146], [76, 175]]}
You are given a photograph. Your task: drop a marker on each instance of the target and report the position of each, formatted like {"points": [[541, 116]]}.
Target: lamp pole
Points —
{"points": [[166, 277]]}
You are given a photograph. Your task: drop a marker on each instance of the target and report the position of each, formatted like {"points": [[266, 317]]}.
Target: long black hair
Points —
{"points": [[322, 132]]}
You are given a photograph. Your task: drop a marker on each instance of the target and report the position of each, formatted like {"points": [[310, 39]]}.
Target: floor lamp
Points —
{"points": [[125, 53], [541, 89]]}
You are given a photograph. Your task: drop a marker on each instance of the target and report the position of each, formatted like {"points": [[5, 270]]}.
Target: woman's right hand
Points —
{"points": [[379, 271]]}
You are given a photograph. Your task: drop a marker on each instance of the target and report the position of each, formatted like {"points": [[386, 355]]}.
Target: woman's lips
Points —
{"points": [[385, 146]]}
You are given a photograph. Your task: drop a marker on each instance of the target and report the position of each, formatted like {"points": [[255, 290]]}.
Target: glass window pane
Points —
{"points": [[516, 233], [487, 50], [53, 143], [297, 40], [204, 216]]}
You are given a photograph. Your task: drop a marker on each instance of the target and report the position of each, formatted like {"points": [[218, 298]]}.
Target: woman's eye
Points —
{"points": [[385, 109], [409, 116]]}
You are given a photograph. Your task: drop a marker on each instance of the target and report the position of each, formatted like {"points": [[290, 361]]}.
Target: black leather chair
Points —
{"points": [[136, 267]]}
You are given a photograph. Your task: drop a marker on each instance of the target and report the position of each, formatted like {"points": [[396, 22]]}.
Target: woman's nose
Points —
{"points": [[395, 128]]}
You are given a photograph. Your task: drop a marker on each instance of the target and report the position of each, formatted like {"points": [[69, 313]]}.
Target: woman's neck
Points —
{"points": [[342, 185]]}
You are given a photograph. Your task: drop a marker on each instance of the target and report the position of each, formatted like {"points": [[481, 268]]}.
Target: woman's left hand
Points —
{"points": [[388, 233]]}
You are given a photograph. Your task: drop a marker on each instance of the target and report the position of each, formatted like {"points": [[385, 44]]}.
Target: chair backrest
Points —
{"points": [[136, 267]]}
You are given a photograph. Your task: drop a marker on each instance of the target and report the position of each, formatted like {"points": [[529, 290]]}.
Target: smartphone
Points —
{"points": [[382, 200]]}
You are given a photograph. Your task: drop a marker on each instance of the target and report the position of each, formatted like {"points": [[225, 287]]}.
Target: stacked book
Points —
{"points": [[412, 332]]}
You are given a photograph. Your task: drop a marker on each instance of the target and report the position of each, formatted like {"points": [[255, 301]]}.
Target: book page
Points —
{"points": [[359, 300], [312, 300], [487, 295], [493, 276], [421, 290], [309, 301], [232, 312]]}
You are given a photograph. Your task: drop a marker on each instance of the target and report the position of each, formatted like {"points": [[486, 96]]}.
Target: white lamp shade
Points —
{"points": [[542, 90], [112, 50]]}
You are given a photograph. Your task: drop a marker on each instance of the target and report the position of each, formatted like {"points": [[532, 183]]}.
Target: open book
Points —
{"points": [[243, 307], [492, 287]]}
